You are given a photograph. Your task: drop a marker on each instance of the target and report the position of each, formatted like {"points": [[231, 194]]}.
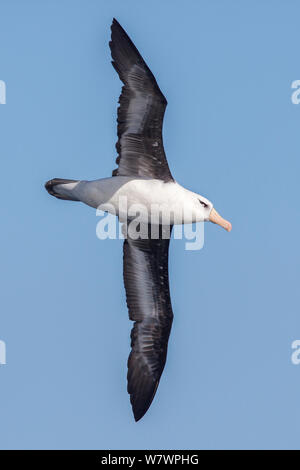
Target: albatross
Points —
{"points": [[142, 177]]}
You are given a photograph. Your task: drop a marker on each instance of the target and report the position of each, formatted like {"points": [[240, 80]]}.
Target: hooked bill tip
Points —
{"points": [[217, 219]]}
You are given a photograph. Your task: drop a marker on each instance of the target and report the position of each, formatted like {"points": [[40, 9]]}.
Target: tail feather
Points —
{"points": [[51, 184]]}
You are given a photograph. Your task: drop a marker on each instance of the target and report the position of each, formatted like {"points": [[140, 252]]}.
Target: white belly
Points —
{"points": [[149, 199]]}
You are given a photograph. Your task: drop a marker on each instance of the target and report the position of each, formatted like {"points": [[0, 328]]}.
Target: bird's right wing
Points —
{"points": [[140, 114], [148, 299]]}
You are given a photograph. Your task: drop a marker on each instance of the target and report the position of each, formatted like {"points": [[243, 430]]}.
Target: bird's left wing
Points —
{"points": [[148, 299]]}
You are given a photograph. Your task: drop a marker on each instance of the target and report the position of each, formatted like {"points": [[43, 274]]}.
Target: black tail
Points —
{"points": [[50, 186]]}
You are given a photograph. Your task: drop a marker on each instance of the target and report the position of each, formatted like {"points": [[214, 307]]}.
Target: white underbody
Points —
{"points": [[128, 197]]}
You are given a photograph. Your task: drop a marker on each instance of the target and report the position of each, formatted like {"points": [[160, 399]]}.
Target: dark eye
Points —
{"points": [[203, 203]]}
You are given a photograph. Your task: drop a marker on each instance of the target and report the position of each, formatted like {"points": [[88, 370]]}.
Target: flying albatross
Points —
{"points": [[142, 177]]}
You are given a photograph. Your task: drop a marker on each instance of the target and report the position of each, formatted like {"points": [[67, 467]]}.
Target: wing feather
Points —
{"points": [[140, 114], [146, 282]]}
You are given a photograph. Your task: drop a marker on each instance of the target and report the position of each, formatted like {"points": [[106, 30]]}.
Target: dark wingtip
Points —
{"points": [[138, 417], [138, 414], [115, 21], [140, 408]]}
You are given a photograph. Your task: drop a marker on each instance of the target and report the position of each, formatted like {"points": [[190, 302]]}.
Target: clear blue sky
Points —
{"points": [[231, 134]]}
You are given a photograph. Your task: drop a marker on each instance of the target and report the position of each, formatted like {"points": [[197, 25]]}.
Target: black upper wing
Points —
{"points": [[140, 114], [148, 299]]}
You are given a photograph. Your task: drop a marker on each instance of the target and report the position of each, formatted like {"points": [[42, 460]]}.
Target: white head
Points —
{"points": [[205, 212]]}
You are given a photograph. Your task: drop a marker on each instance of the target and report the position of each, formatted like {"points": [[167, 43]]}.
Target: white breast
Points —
{"points": [[127, 196]]}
